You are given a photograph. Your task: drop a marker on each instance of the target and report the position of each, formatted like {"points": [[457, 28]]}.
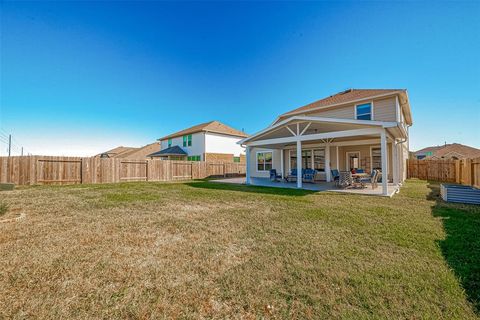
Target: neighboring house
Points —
{"points": [[130, 152], [356, 128], [115, 152], [452, 151], [211, 141]]}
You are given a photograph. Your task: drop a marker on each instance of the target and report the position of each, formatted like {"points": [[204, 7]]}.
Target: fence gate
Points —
{"points": [[133, 170], [58, 171], [182, 170]]}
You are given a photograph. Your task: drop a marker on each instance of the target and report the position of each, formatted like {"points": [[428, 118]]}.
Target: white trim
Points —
{"points": [[281, 162], [397, 110], [384, 124], [327, 163], [377, 146], [317, 136], [305, 129], [393, 93], [347, 165], [360, 104], [338, 160], [256, 159], [291, 131]]}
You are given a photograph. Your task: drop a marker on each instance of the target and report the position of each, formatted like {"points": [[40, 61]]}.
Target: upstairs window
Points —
{"points": [[264, 161], [169, 143], [187, 140], [363, 111]]}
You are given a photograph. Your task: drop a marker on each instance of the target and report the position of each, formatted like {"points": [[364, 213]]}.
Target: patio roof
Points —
{"points": [[172, 151], [307, 128]]}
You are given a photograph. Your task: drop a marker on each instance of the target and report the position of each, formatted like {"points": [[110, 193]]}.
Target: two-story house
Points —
{"points": [[210, 141], [356, 128]]}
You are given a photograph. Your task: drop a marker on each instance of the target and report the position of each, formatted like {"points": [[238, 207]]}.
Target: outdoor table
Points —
{"points": [[357, 176]]}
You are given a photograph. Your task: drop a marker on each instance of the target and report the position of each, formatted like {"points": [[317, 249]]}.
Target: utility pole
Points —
{"points": [[9, 144], [22, 151]]}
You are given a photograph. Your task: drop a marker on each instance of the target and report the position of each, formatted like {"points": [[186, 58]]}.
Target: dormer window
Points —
{"points": [[363, 111]]}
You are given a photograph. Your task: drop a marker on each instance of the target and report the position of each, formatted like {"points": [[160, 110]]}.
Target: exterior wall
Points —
{"points": [[218, 143], [383, 110], [197, 148], [365, 158], [226, 157], [276, 162]]}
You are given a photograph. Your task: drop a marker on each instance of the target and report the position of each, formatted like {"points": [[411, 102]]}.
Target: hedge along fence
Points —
{"points": [[30, 170], [465, 171]]}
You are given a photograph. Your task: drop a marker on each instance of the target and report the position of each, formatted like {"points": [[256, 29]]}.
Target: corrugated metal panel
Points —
{"points": [[461, 194]]}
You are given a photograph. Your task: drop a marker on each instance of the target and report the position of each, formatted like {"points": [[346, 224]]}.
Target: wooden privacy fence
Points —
{"points": [[465, 171], [29, 170]]}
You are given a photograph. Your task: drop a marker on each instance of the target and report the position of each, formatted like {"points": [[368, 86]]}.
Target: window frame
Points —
{"points": [[187, 140], [361, 104], [169, 142], [371, 156], [256, 160]]}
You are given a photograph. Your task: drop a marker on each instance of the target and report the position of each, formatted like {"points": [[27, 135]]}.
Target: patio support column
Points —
{"points": [[395, 162], [328, 175], [299, 164], [248, 164], [281, 162], [384, 153]]}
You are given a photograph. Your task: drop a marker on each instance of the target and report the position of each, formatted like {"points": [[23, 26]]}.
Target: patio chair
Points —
{"points": [[372, 179], [309, 175], [345, 179], [292, 176], [335, 176], [360, 171], [273, 175]]}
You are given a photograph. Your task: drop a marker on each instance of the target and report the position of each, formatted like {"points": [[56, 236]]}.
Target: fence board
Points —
{"points": [[69, 170], [464, 171]]}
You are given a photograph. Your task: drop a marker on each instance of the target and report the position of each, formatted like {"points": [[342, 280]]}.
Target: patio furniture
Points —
{"points": [[292, 176], [357, 179], [273, 175], [370, 179], [360, 171], [345, 179], [309, 175], [335, 176]]}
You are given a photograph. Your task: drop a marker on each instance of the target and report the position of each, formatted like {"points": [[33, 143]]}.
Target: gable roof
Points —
{"points": [[212, 126], [454, 149], [116, 152], [349, 96], [140, 153], [172, 151]]}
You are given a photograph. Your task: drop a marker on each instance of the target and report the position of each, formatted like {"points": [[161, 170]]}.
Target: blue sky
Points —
{"points": [[81, 77]]}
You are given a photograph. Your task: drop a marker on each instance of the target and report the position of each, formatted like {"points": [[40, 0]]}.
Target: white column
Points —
{"points": [[299, 164], [328, 174], [281, 162], [384, 153], [338, 160], [395, 162], [248, 165]]}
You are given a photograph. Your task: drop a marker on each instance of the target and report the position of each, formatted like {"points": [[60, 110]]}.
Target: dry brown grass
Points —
{"points": [[202, 250]]}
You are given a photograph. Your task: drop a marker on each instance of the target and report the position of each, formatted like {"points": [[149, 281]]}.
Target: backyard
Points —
{"points": [[201, 249]]}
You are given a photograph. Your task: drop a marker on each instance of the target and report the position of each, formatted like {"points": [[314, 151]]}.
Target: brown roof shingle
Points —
{"points": [[212, 126], [456, 148], [343, 97]]}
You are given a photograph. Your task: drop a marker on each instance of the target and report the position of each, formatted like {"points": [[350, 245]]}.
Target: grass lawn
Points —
{"points": [[201, 249]]}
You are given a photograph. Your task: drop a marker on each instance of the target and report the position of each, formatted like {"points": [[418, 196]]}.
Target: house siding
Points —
{"points": [[385, 110], [197, 148]]}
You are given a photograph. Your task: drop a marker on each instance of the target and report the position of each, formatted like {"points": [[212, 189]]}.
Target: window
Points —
{"points": [[319, 160], [363, 111], [236, 159], [169, 143], [376, 159], [264, 161], [306, 159], [193, 158], [187, 140]]}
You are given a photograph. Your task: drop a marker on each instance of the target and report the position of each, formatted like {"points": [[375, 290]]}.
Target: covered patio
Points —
{"points": [[323, 144], [319, 186]]}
